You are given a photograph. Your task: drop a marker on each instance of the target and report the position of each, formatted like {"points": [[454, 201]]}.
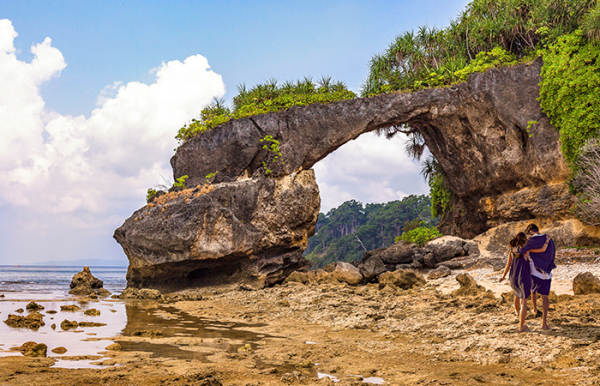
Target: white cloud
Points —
{"points": [[84, 171], [368, 169]]}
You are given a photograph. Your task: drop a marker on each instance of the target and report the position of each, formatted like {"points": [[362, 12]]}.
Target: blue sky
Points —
{"points": [[67, 181]]}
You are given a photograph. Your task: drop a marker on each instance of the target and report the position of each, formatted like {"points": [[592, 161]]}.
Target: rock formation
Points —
{"points": [[498, 170], [252, 230], [84, 283], [247, 227]]}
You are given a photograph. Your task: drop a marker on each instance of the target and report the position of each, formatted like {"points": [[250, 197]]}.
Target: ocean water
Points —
{"points": [[41, 280]]}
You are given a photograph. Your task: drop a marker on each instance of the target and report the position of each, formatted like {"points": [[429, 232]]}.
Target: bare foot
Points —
{"points": [[546, 328], [525, 329]]}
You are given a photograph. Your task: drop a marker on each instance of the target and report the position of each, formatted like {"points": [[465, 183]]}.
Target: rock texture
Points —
{"points": [[84, 283], [477, 130], [252, 230], [586, 283]]}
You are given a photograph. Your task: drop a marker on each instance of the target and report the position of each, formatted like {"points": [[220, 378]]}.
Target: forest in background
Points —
{"points": [[345, 233]]}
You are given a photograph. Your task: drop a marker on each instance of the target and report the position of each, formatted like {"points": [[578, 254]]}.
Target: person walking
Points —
{"points": [[542, 264]]}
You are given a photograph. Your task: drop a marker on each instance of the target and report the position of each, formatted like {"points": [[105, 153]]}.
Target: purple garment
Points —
{"points": [[520, 276], [543, 261]]}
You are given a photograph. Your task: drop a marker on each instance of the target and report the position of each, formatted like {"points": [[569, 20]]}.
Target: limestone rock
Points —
{"points": [[114, 347], [441, 271], [33, 349], [347, 273], [90, 324], [59, 350], [68, 324], [401, 278], [84, 283], [70, 307], [397, 253], [103, 292], [468, 286], [449, 247], [34, 321], [33, 306], [141, 294], [586, 283], [298, 277], [252, 230], [429, 260], [92, 312], [372, 267]]}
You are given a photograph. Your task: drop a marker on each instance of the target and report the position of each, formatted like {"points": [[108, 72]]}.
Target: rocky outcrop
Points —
{"points": [[84, 283], [246, 227], [498, 170], [252, 230]]}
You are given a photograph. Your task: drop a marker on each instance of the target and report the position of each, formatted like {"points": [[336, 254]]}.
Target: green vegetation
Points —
{"points": [[210, 177], [488, 33], [570, 91], [180, 182], [345, 233], [271, 145], [419, 236], [149, 194], [266, 98]]}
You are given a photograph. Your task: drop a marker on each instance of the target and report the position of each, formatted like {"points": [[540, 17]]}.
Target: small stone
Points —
{"points": [[51, 312], [59, 350], [305, 364], [19, 310], [439, 272], [113, 310], [114, 347], [91, 324], [70, 307], [68, 324], [53, 326], [92, 312], [147, 333]]}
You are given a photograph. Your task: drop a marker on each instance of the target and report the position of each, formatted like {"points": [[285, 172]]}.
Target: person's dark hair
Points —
{"points": [[519, 241], [532, 227]]}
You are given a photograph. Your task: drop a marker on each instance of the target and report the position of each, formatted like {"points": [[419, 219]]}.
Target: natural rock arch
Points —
{"points": [[253, 228]]}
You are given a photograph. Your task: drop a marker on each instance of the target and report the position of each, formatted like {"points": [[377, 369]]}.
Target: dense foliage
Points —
{"points": [[345, 233], [266, 98], [570, 91], [419, 236], [587, 182], [509, 30]]}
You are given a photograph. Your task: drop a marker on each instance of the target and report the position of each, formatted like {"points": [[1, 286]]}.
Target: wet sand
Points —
{"points": [[326, 334]]}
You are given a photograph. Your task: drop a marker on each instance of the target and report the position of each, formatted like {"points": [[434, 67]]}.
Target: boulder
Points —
{"points": [[59, 350], [104, 292], [429, 260], [68, 324], [33, 321], [586, 283], [84, 283], [372, 267], [33, 306], [33, 349], [70, 307], [468, 286], [141, 294], [441, 271], [346, 273], [447, 248], [113, 347], [401, 278], [252, 231], [298, 277], [397, 253], [92, 312]]}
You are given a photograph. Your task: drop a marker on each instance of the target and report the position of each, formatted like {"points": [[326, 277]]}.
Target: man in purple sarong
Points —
{"points": [[542, 264]]}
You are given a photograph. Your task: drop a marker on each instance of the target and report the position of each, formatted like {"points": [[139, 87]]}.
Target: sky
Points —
{"points": [[93, 93]]}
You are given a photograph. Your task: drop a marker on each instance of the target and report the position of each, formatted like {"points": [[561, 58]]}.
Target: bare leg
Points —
{"points": [[534, 301], [517, 305], [545, 307], [523, 316]]}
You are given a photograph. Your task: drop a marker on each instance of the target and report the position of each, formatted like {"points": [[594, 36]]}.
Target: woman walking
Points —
{"points": [[520, 276]]}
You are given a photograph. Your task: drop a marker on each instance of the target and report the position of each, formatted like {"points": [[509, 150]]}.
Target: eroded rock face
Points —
{"points": [[252, 230], [84, 283], [477, 131]]}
